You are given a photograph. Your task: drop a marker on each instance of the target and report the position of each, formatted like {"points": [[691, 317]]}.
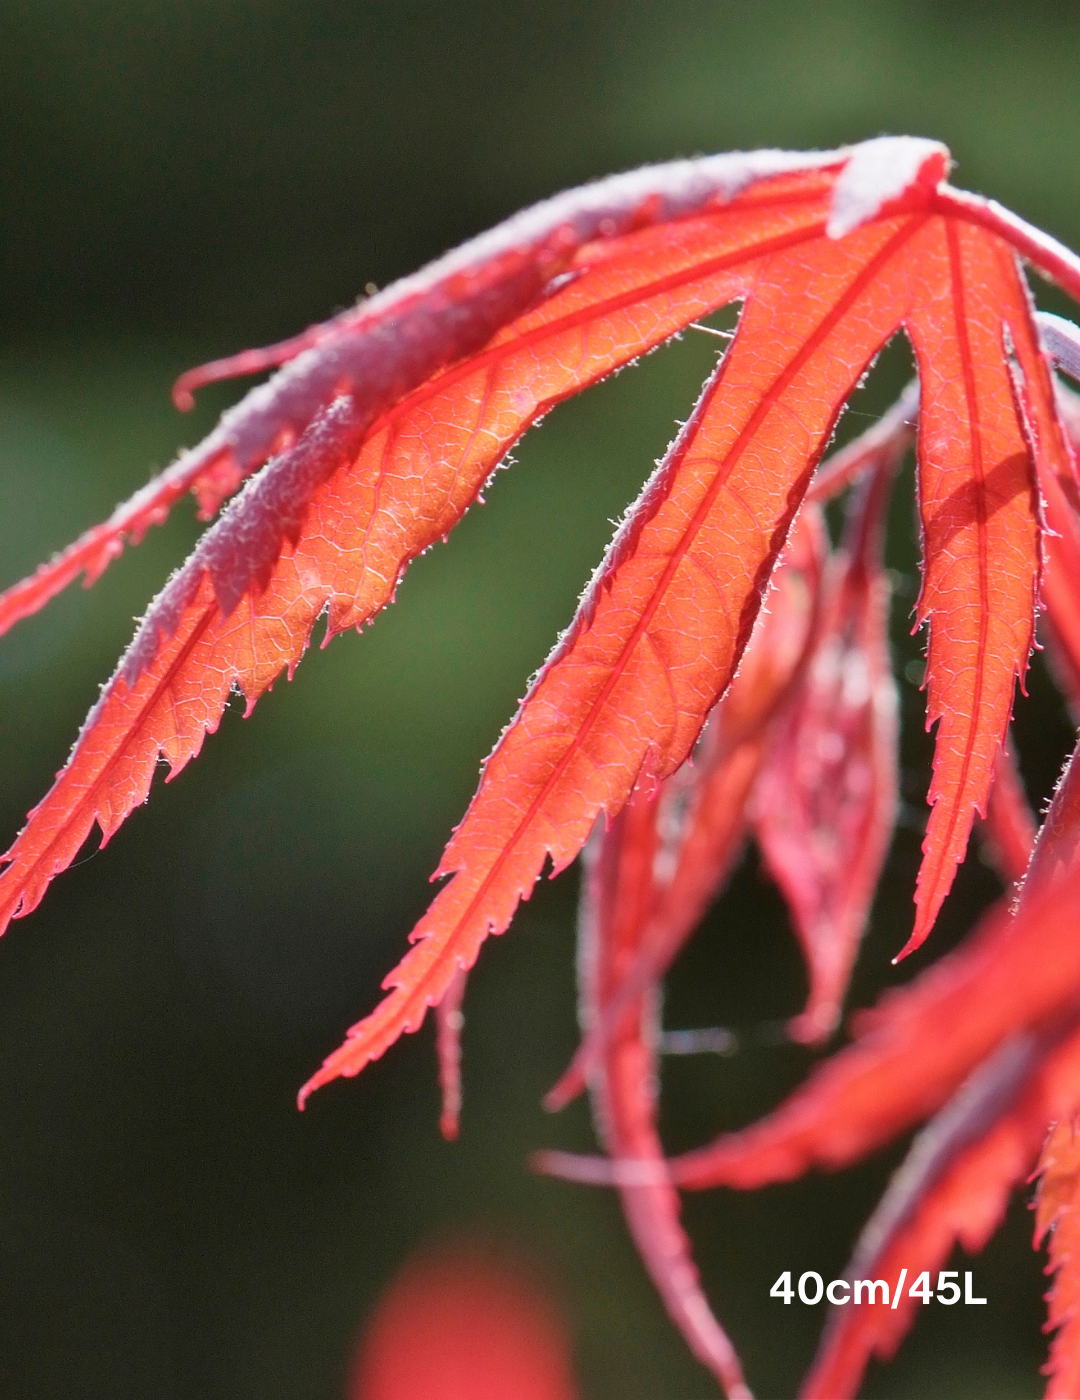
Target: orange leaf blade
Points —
{"points": [[976, 494], [665, 621]]}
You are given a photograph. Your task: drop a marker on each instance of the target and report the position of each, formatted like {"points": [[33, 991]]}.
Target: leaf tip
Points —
{"points": [[918, 937], [322, 1076], [564, 1091]]}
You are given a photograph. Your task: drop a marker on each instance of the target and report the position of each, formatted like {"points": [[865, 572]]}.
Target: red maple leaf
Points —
{"points": [[383, 426]]}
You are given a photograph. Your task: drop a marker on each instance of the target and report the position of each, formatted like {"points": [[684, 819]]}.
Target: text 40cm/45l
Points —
{"points": [[812, 1288]]}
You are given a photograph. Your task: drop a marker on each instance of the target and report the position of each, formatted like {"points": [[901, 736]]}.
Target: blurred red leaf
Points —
{"points": [[618, 897], [463, 1323], [825, 800]]}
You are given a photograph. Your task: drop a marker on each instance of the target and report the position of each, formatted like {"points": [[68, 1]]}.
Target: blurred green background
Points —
{"points": [[179, 179]]}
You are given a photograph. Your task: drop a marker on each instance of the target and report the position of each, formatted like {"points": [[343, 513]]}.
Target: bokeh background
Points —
{"points": [[179, 179]]}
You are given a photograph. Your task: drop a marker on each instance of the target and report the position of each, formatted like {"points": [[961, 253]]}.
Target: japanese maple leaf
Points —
{"points": [[383, 426]]}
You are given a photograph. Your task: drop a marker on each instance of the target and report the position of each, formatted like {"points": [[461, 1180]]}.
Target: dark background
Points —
{"points": [[181, 178]]}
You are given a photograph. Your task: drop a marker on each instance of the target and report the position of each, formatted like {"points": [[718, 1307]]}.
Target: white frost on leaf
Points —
{"points": [[879, 172]]}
